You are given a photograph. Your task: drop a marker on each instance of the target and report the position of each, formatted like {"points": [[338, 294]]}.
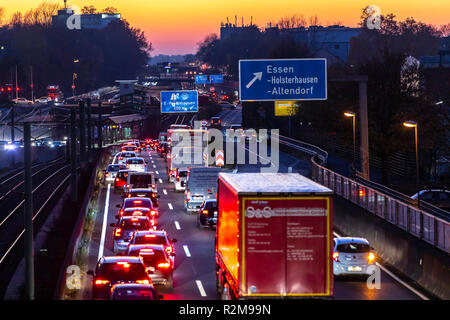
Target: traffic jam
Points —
{"points": [[257, 218]]}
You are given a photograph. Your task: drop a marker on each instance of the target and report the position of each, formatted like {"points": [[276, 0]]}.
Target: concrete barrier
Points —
{"points": [[417, 260]]}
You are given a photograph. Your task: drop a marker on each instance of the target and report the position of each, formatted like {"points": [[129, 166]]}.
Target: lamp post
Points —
{"points": [[353, 116], [413, 124]]}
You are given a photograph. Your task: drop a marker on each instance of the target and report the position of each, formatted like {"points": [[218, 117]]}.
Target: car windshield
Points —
{"points": [[145, 194], [210, 204], [133, 294], [135, 224], [136, 203], [140, 180], [115, 167], [183, 174], [122, 271], [150, 258], [122, 175], [353, 247], [135, 161], [150, 239]]}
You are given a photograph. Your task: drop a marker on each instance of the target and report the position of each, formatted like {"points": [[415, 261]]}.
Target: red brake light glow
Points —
{"points": [[124, 264], [136, 201], [143, 281], [164, 265], [118, 232], [150, 236], [101, 282], [336, 256], [205, 211]]}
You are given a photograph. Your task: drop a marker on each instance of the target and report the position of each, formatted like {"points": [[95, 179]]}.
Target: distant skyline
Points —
{"points": [[176, 26]]}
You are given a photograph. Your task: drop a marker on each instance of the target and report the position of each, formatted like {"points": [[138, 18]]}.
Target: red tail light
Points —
{"points": [[153, 185], [128, 165], [128, 185], [117, 179], [152, 222], [336, 256], [123, 263], [178, 178], [205, 212], [134, 219], [121, 213], [135, 201], [101, 282], [142, 281], [120, 158], [107, 174], [118, 232], [153, 212], [164, 265], [150, 236]]}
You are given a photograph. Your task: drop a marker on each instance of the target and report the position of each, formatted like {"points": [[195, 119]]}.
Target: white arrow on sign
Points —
{"points": [[257, 76]]}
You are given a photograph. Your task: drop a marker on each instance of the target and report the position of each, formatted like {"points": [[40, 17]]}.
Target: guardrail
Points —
{"points": [[428, 223], [423, 225]]}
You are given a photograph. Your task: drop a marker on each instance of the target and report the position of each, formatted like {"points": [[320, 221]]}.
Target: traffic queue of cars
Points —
{"points": [[144, 257], [144, 254]]}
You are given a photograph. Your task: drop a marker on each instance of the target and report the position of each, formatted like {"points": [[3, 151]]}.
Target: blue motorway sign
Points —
{"points": [[179, 101], [216, 78], [201, 79], [283, 79]]}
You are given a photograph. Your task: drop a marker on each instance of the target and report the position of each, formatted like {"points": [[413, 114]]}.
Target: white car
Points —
{"points": [[136, 164], [22, 101], [43, 100], [353, 256], [180, 180], [111, 172], [121, 157]]}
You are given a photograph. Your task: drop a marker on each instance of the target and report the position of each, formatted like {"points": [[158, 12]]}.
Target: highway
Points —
{"points": [[194, 276]]}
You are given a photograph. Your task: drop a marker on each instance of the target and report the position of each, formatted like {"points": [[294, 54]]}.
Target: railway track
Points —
{"points": [[49, 183]]}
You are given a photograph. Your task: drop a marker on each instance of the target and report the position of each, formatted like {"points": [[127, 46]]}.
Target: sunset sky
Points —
{"points": [[176, 26]]}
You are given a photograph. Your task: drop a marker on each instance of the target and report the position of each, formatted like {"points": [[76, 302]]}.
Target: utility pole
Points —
{"points": [[12, 123], [17, 86], [82, 126], [100, 127], [73, 155], [364, 123], [89, 130], [32, 84], [28, 214]]}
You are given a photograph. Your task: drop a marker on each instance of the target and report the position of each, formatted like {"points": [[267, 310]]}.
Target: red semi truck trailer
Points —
{"points": [[274, 236]]}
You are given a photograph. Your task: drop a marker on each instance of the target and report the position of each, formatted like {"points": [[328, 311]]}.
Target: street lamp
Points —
{"points": [[353, 116], [413, 124]]}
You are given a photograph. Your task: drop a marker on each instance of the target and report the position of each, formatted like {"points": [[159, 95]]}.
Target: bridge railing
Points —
{"points": [[426, 226], [428, 223]]}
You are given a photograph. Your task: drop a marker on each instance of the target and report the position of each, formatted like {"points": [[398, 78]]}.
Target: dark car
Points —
{"points": [[137, 202], [144, 212], [157, 263], [133, 291], [113, 270], [216, 123], [207, 216], [155, 237], [124, 229], [144, 193]]}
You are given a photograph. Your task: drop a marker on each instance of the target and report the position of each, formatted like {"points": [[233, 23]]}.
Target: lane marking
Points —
{"points": [[156, 172], [395, 277], [186, 250], [154, 166], [200, 288], [177, 225], [165, 192], [105, 218], [160, 180], [170, 206], [153, 161]]}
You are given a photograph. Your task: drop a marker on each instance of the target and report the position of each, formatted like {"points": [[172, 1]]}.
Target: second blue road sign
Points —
{"points": [[283, 79], [179, 101]]}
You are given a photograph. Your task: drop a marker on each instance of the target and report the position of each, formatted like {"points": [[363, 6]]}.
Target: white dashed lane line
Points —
{"points": [[200, 288], [177, 225], [186, 250], [165, 192], [160, 180], [154, 166], [156, 172], [170, 206]]}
